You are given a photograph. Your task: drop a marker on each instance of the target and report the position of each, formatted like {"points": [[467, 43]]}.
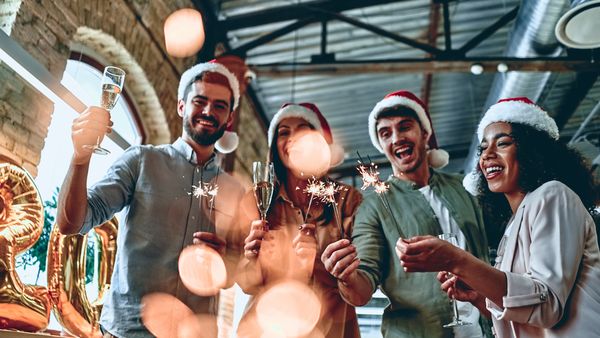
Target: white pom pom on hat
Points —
{"points": [[437, 158], [311, 114], [230, 140]]}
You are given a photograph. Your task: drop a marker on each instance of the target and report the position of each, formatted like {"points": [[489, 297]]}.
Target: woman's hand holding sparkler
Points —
{"points": [[340, 259]]}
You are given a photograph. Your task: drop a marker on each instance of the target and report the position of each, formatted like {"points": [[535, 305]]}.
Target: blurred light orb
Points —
{"points": [[184, 32], [202, 270], [288, 309], [309, 154], [162, 314]]}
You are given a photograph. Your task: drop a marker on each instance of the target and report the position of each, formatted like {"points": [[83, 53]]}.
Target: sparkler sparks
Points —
{"points": [[326, 192], [370, 177]]}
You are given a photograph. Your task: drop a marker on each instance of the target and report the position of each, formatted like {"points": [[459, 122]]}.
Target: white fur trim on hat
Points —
{"points": [[188, 76], [390, 102], [518, 112], [471, 182], [228, 142], [293, 110]]}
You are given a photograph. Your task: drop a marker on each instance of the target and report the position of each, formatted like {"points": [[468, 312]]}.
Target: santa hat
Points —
{"points": [[511, 110], [229, 141], [311, 114], [438, 158]]}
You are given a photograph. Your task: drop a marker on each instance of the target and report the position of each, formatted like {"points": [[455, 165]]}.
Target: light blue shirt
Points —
{"points": [[154, 185]]}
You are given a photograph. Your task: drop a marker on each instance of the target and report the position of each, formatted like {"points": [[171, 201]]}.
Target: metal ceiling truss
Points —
{"points": [[435, 60]]}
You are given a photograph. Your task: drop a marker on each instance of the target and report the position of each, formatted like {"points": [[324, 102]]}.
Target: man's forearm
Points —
{"points": [[357, 289], [72, 199]]}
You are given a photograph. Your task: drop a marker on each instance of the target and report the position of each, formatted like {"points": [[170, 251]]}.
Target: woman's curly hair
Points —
{"points": [[541, 159]]}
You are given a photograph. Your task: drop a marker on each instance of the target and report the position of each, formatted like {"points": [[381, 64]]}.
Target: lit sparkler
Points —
{"points": [[370, 177], [207, 189], [327, 195], [313, 188]]}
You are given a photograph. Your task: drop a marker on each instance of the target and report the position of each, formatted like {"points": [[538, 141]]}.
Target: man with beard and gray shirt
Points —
{"points": [[154, 186]]}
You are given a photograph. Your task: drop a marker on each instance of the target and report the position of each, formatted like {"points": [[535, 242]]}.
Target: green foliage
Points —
{"points": [[38, 253]]}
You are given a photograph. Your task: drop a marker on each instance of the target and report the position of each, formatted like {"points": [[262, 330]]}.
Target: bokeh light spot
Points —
{"points": [[184, 32], [309, 154], [202, 270], [288, 309]]}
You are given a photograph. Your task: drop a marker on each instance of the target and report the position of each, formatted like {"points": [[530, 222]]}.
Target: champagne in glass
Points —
{"points": [[263, 174], [456, 321], [112, 85], [110, 95]]}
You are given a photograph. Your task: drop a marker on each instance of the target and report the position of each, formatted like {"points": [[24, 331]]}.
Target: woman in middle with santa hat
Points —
{"points": [[287, 247]]}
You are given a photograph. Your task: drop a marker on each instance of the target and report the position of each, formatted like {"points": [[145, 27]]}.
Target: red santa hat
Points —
{"points": [[229, 141], [511, 110], [311, 114], [437, 158]]}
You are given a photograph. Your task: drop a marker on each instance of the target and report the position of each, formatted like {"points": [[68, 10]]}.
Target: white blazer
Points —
{"points": [[552, 265]]}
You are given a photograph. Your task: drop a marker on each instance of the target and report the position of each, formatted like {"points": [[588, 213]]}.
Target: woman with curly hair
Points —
{"points": [[539, 194]]}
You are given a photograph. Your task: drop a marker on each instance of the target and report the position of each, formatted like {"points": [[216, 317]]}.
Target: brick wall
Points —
{"points": [[128, 33]]}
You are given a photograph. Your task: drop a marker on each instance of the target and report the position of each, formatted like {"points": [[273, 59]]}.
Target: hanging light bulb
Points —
{"points": [[476, 68], [184, 32]]}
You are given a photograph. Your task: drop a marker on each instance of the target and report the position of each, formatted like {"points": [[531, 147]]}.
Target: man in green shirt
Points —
{"points": [[423, 202]]}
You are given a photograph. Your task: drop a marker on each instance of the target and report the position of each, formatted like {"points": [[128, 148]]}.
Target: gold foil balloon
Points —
{"points": [[22, 307], [66, 278]]}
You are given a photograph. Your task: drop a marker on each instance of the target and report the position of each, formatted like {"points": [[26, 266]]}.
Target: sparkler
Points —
{"points": [[313, 188], [207, 189], [327, 195], [370, 177]]}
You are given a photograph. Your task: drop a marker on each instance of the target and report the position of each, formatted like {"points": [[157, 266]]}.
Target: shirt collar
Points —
{"points": [[189, 154], [405, 184]]}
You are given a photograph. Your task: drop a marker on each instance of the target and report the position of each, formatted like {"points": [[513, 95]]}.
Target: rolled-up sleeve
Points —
{"points": [[114, 191], [370, 243], [557, 228]]}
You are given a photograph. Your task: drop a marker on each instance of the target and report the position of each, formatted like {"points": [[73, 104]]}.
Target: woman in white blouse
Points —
{"points": [[546, 280]]}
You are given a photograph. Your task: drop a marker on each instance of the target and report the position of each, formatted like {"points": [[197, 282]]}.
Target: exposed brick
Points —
{"points": [[30, 167]]}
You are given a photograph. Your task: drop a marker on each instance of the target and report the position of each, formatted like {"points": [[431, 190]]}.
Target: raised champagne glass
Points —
{"points": [[112, 85], [263, 175], [456, 321]]}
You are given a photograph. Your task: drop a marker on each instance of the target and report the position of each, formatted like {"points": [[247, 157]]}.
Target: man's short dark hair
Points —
{"points": [[210, 77], [399, 111]]}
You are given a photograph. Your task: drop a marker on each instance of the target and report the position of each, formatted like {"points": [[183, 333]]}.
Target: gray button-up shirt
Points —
{"points": [[154, 185]]}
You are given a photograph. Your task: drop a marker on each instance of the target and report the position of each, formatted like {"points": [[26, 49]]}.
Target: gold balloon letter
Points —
{"points": [[22, 307], [66, 278]]}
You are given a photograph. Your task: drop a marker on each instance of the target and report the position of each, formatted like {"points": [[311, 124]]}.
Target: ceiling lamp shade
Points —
{"points": [[578, 28], [184, 33]]}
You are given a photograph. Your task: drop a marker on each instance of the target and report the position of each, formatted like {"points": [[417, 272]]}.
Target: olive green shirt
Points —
{"points": [[418, 308]]}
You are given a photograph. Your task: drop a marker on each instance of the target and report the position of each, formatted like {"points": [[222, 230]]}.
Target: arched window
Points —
{"points": [[82, 77]]}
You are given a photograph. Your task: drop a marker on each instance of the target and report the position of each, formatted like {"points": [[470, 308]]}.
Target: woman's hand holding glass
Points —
{"points": [[256, 239], [454, 287]]}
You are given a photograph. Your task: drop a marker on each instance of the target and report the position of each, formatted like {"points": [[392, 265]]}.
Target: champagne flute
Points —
{"points": [[262, 175], [456, 321], [112, 85]]}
